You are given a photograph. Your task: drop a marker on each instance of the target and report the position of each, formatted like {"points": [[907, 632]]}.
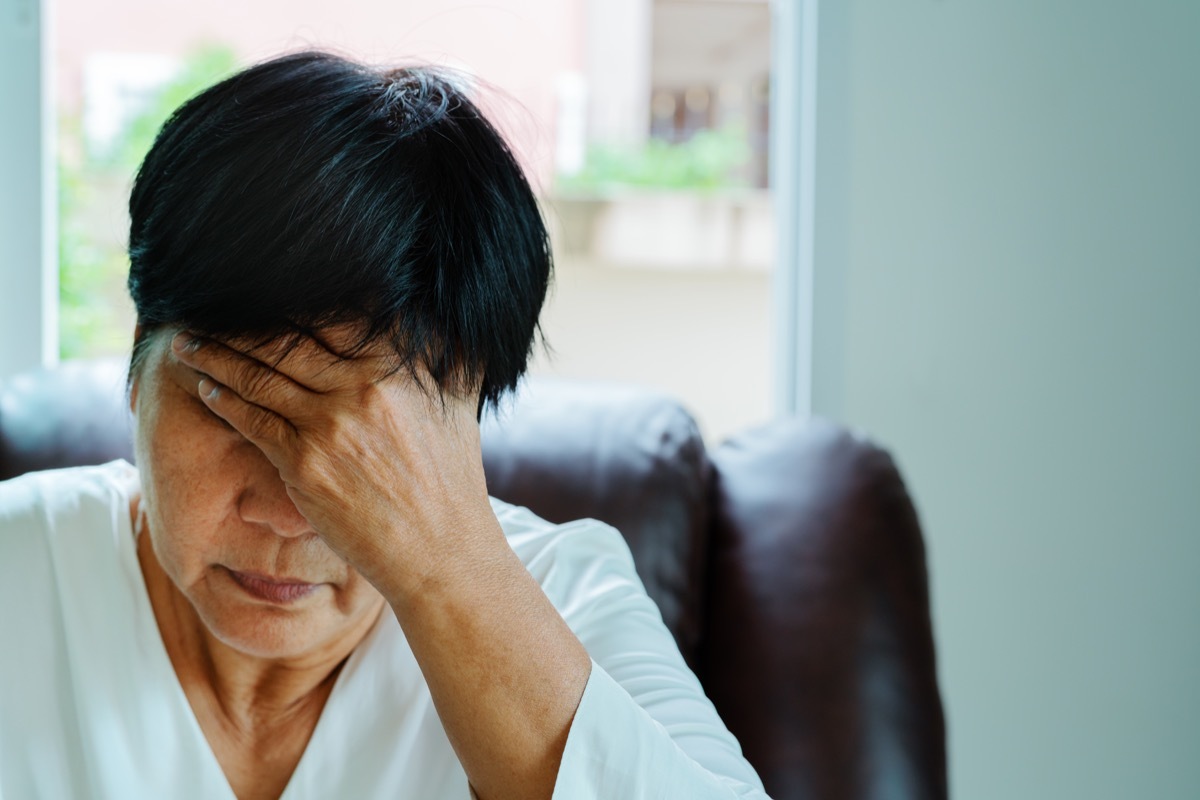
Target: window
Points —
{"points": [[643, 124]]}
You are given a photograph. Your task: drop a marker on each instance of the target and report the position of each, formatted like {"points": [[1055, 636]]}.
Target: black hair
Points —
{"points": [[310, 190]]}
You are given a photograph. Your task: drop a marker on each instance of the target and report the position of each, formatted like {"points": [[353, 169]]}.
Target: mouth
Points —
{"points": [[280, 591]]}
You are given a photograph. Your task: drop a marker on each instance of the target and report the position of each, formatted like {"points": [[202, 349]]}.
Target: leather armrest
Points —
{"points": [[820, 652]]}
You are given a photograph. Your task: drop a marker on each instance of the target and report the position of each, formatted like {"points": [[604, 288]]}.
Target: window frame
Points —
{"points": [[28, 207]]}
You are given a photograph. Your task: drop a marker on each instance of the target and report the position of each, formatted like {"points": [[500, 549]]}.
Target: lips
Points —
{"points": [[272, 590]]}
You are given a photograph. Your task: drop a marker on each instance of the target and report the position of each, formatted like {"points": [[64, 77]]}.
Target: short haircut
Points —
{"points": [[310, 190]]}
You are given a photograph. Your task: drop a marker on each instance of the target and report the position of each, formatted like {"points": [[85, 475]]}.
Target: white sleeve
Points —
{"points": [[643, 728]]}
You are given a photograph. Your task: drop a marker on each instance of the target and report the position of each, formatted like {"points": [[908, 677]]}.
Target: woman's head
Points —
{"points": [[311, 191], [310, 194]]}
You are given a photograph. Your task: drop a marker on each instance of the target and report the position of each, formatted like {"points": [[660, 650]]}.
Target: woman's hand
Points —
{"points": [[386, 469], [389, 473]]}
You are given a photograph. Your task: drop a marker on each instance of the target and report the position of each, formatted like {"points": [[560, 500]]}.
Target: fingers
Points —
{"points": [[293, 378], [321, 363], [267, 430], [251, 379], [308, 360]]}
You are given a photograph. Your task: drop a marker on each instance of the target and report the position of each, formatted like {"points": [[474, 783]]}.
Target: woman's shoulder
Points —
{"points": [[532, 536], [37, 504], [75, 643], [66, 545], [571, 560]]}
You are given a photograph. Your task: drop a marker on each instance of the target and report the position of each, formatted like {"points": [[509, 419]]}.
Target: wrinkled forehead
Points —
{"points": [[327, 346]]}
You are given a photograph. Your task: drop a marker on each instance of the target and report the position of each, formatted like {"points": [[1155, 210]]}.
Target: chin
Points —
{"points": [[265, 631]]}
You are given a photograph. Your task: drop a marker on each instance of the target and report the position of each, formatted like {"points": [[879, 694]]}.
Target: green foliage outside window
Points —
{"points": [[709, 160], [95, 314]]}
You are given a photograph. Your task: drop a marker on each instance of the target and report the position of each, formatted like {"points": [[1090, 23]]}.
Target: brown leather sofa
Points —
{"points": [[788, 561]]}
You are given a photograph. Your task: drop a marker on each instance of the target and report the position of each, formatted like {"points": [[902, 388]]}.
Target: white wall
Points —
{"points": [[669, 290], [617, 39], [703, 337], [28, 291], [1008, 295]]}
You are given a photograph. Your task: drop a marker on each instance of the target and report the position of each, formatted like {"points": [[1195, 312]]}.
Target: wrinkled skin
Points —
{"points": [[353, 487]]}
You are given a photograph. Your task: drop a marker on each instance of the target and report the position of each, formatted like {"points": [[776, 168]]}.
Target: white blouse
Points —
{"points": [[90, 706]]}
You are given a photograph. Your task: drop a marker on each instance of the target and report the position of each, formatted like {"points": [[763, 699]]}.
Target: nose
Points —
{"points": [[266, 502]]}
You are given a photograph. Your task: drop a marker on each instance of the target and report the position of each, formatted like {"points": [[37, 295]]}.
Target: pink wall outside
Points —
{"points": [[518, 46]]}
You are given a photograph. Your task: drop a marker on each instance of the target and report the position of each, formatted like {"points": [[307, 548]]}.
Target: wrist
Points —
{"points": [[454, 558]]}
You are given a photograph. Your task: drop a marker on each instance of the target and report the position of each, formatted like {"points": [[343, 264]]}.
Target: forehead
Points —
{"points": [[158, 361]]}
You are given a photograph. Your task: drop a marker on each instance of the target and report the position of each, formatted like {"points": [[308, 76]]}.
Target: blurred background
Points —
{"points": [[969, 228], [643, 125]]}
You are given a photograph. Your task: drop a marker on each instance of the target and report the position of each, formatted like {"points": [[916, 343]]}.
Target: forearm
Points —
{"points": [[504, 671], [618, 749], [392, 481], [386, 468]]}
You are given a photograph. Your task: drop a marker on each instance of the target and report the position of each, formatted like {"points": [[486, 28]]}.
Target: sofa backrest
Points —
{"points": [[71, 415], [630, 457]]}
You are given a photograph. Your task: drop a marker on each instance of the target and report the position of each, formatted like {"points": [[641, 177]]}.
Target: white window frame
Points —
{"points": [[28, 192], [793, 159]]}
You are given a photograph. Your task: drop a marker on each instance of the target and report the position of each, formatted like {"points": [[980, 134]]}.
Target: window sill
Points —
{"points": [[722, 231]]}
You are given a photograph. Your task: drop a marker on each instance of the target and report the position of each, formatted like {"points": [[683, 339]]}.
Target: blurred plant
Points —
{"points": [[709, 160], [94, 310], [89, 271], [202, 68]]}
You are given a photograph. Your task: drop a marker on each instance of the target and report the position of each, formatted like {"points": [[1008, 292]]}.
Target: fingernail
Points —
{"points": [[207, 389]]}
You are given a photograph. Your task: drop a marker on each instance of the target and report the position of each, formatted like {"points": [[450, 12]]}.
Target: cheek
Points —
{"points": [[185, 503], [180, 528]]}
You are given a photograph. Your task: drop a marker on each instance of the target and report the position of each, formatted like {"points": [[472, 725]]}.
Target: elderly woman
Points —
{"points": [[304, 590]]}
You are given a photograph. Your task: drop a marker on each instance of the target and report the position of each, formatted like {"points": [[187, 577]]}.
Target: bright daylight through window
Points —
{"points": [[643, 124]]}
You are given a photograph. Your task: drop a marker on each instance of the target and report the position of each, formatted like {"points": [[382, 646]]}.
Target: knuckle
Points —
{"points": [[258, 424], [338, 432], [309, 463], [370, 394], [344, 436], [254, 380]]}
